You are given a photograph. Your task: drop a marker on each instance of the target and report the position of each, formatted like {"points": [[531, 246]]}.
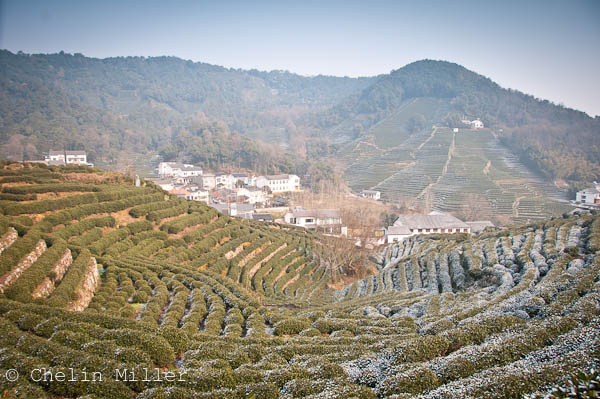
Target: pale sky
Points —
{"points": [[547, 48]]}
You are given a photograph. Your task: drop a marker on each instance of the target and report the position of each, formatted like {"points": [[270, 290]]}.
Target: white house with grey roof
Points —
{"points": [[279, 183], [433, 223], [371, 194], [325, 220], [589, 196], [176, 169], [77, 157]]}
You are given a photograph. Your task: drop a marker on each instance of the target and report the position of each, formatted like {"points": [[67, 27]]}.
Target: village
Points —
{"points": [[271, 198]]}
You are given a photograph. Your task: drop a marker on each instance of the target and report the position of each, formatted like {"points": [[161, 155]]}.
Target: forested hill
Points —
{"points": [[559, 142], [187, 110], [140, 104]]}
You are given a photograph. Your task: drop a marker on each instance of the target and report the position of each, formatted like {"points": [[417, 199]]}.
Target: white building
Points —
{"points": [[396, 233], [245, 211], [474, 124], [589, 196], [325, 220], [279, 183], [255, 195], [434, 223], [67, 157], [240, 177], [207, 181], [224, 180], [371, 194], [176, 169], [198, 195], [165, 184]]}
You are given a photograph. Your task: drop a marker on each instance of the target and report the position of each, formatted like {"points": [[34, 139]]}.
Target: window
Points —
{"points": [[309, 220]]}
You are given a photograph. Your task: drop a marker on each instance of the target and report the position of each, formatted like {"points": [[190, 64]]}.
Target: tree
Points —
{"points": [[474, 207], [388, 219], [341, 256]]}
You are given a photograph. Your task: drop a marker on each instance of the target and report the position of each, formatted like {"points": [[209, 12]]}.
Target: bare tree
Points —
{"points": [[362, 221], [341, 256], [474, 207]]}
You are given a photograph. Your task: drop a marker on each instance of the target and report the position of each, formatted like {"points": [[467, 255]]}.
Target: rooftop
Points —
{"points": [[241, 208], [317, 213], [76, 152], [179, 191], [431, 221], [262, 216], [277, 177], [398, 230]]}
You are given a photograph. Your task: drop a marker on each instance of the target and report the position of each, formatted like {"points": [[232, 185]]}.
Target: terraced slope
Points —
{"points": [[448, 169], [105, 276]]}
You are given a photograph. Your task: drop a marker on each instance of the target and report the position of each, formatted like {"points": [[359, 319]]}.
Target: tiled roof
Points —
{"points": [[397, 230], [317, 213], [437, 221]]}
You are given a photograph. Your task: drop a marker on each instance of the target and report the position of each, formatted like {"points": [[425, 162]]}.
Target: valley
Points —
{"points": [[110, 276]]}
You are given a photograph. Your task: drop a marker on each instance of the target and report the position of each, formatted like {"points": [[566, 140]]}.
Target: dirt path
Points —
{"points": [[433, 132], [486, 170], [444, 168], [515, 206]]}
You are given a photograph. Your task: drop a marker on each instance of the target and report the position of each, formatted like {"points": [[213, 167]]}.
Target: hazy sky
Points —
{"points": [[547, 48]]}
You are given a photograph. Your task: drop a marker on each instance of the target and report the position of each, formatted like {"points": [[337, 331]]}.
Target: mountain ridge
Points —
{"points": [[141, 104]]}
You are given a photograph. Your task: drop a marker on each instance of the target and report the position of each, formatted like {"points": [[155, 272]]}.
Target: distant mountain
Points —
{"points": [[557, 141], [188, 110], [137, 104]]}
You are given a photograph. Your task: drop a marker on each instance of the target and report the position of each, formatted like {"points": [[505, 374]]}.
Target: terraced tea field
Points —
{"points": [[104, 276], [445, 169]]}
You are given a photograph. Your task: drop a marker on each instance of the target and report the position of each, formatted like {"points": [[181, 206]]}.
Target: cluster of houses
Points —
{"points": [[232, 193]]}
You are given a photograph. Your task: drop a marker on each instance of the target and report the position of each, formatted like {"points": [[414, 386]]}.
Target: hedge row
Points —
{"points": [[201, 232], [109, 239], [22, 289], [17, 197], [11, 256], [142, 210], [75, 229], [176, 225], [88, 238], [71, 201], [158, 215], [53, 187], [65, 291]]}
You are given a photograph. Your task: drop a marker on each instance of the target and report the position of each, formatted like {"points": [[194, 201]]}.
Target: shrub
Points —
{"points": [[291, 326]]}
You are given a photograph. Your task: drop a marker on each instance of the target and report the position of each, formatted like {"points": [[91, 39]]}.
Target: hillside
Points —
{"points": [[135, 104], [98, 275], [556, 141], [390, 133]]}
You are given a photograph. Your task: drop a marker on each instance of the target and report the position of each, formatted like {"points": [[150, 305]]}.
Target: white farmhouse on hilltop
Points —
{"points": [[371, 194], [474, 124], [67, 158], [279, 183]]}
